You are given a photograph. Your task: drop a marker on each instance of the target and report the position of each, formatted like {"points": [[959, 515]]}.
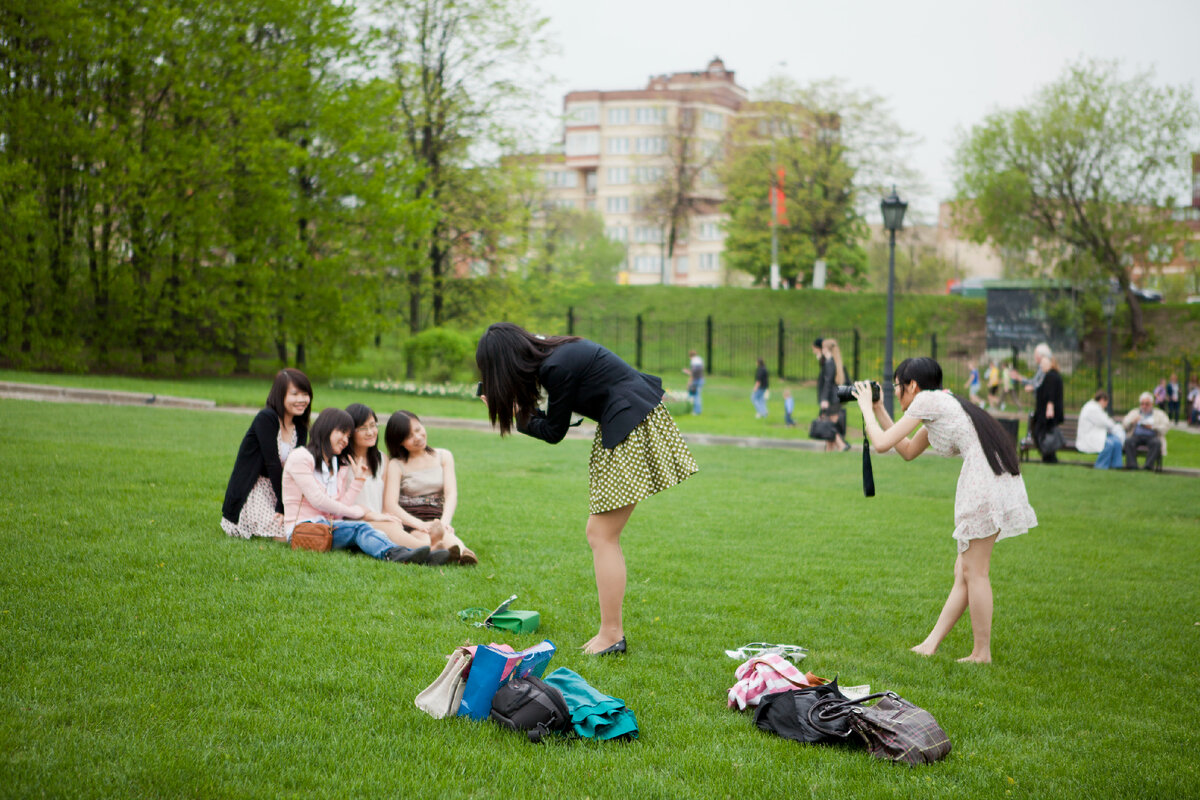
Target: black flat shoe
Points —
{"points": [[406, 555], [438, 557], [618, 648]]}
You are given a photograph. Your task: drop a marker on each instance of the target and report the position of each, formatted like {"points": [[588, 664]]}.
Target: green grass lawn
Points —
{"points": [[146, 654]]}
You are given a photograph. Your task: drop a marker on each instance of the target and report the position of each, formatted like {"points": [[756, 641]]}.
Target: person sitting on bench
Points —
{"points": [[1146, 425]]}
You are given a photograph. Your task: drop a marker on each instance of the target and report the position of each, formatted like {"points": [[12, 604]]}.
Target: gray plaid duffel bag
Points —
{"points": [[893, 729]]}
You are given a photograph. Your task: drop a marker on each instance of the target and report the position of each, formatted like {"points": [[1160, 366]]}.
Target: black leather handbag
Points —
{"points": [[786, 714]]}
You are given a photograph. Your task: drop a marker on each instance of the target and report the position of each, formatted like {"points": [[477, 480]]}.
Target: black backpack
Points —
{"points": [[530, 704]]}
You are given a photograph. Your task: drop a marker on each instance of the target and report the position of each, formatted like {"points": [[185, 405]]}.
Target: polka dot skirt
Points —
{"points": [[652, 458], [258, 514]]}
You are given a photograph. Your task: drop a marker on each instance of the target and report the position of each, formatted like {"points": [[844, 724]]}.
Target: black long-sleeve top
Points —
{"points": [[258, 456], [585, 378]]}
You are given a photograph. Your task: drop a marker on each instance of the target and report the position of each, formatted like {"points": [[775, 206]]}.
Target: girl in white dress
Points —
{"points": [[990, 502]]}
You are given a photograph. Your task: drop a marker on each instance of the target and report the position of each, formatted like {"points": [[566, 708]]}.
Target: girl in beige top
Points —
{"points": [[421, 488]]}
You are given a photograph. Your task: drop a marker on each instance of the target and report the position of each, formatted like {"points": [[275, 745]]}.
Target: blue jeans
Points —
{"points": [[1110, 456], [759, 398], [696, 386], [354, 531]]}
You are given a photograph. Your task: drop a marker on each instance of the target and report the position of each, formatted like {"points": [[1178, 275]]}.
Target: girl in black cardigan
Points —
{"points": [[254, 498], [637, 449]]}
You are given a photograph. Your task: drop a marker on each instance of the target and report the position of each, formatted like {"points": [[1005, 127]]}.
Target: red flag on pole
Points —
{"points": [[780, 213]]}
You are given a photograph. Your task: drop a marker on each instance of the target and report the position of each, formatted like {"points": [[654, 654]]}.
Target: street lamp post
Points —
{"points": [[1110, 308], [893, 217]]}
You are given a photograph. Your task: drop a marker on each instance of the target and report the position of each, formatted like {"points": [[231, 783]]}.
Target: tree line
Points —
{"points": [[236, 178]]}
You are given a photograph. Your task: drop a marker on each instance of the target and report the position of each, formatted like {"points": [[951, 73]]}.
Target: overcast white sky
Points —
{"points": [[942, 64]]}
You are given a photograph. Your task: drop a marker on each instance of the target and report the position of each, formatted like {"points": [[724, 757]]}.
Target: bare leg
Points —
{"points": [[976, 562], [395, 531], [955, 605], [604, 537]]}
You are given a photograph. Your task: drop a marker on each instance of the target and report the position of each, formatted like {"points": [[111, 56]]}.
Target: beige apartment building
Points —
{"points": [[618, 147]]}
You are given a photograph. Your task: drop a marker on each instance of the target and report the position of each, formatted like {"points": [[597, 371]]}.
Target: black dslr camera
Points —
{"points": [[846, 393]]}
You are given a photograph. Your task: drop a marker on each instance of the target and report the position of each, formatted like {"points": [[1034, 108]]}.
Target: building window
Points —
{"points": [[649, 174], [562, 202], [710, 232], [583, 144], [651, 115], [561, 179], [712, 120], [681, 265], [616, 205], [651, 145], [710, 262], [582, 114], [618, 116], [618, 176], [647, 234], [647, 264], [618, 145], [618, 233]]}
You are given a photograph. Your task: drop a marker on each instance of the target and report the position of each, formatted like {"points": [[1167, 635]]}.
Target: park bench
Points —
{"points": [[1070, 430]]}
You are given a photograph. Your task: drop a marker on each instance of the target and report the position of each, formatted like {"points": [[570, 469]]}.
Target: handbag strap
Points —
{"points": [[469, 615], [831, 708]]}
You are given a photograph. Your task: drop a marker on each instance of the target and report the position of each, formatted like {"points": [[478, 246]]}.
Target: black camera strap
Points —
{"points": [[868, 475]]}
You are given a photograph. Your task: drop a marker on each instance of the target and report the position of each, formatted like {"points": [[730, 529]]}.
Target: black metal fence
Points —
{"points": [[733, 349]]}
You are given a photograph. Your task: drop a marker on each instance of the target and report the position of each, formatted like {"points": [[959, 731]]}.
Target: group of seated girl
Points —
{"points": [[396, 509]]}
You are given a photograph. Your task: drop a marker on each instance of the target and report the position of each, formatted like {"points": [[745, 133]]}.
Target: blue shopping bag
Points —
{"points": [[492, 667]]}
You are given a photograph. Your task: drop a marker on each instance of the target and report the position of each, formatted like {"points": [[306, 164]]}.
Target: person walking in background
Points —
{"points": [[1040, 352], [758, 396], [1100, 433], [1146, 425], [789, 408], [818, 347], [254, 496], [972, 384], [835, 375], [637, 450], [990, 502], [993, 382], [695, 372], [1048, 411], [1160, 394], [1173, 396]]}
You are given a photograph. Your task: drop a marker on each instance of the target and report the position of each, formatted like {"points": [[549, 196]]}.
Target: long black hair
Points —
{"points": [[275, 398], [328, 421], [360, 414], [399, 428], [509, 357], [997, 444]]}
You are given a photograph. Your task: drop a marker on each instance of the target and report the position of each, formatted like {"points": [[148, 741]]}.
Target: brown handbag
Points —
{"points": [[312, 536]]}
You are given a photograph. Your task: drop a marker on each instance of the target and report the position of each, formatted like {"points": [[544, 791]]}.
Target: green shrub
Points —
{"points": [[441, 354]]}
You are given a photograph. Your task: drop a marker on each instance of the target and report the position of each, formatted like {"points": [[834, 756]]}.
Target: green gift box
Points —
{"points": [[515, 621]]}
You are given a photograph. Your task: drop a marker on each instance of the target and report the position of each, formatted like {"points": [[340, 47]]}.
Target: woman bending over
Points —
{"points": [[637, 450], [990, 502]]}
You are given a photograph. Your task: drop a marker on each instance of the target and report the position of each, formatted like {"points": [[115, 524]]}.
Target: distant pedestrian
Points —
{"points": [[695, 372], [1173, 396], [789, 408], [1160, 395], [972, 384], [818, 347], [758, 396], [993, 381]]}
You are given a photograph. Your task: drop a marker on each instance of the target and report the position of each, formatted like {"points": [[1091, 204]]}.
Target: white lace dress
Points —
{"points": [[984, 502]]}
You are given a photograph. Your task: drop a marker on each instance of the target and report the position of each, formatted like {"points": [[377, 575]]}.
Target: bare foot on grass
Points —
{"points": [[924, 649], [974, 659]]}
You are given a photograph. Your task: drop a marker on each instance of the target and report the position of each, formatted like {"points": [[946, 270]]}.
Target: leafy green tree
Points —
{"points": [[1084, 175], [463, 71], [571, 247], [838, 147]]}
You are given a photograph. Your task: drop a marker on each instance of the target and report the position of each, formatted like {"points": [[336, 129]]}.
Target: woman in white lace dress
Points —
{"points": [[990, 502]]}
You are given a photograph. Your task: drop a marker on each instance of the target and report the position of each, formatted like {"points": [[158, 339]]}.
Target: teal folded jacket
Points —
{"points": [[594, 715]]}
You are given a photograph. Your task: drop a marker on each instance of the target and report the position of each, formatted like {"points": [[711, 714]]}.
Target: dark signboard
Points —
{"points": [[1018, 318]]}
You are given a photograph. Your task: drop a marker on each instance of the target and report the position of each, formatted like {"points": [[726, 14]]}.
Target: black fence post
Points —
{"points": [[639, 341], [1100, 372], [933, 346], [857, 349], [781, 347], [708, 330], [570, 320]]}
